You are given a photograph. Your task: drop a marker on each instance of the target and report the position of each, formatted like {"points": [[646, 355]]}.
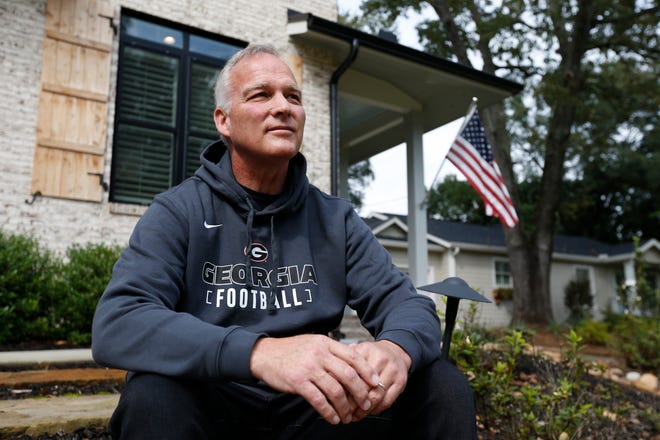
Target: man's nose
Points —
{"points": [[280, 104]]}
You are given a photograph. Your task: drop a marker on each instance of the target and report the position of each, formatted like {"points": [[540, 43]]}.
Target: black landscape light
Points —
{"points": [[455, 289]]}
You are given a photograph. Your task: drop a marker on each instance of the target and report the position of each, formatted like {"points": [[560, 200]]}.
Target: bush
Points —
{"points": [[578, 299], [594, 332], [638, 339], [43, 298], [85, 276], [26, 285], [545, 404], [523, 395]]}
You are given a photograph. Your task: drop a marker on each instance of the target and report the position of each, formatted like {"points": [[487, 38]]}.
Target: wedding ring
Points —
{"points": [[381, 385]]}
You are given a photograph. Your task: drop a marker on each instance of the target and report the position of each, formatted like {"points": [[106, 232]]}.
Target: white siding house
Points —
{"points": [[478, 255]]}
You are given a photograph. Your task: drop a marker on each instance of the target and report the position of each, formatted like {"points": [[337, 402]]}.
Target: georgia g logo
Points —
{"points": [[258, 252]]}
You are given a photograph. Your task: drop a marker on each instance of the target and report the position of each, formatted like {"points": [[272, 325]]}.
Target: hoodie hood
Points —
{"points": [[216, 171]]}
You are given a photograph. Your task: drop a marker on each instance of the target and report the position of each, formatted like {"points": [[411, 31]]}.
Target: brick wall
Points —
{"points": [[59, 223]]}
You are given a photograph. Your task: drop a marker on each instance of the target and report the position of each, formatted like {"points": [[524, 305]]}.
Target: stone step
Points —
{"points": [[352, 330], [51, 415]]}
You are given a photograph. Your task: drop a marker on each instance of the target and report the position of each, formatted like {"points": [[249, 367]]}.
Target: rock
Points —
{"points": [[610, 415], [616, 372], [632, 376], [647, 382]]}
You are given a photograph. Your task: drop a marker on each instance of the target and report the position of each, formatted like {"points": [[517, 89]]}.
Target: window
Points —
{"points": [[503, 274], [164, 109], [582, 274]]}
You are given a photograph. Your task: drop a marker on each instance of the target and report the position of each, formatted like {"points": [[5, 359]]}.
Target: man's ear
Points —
{"points": [[222, 122]]}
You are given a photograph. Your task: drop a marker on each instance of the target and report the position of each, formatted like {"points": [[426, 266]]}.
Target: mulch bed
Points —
{"points": [[619, 395]]}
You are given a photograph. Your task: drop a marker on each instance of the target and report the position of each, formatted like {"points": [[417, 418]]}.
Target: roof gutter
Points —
{"points": [[334, 116], [341, 32]]}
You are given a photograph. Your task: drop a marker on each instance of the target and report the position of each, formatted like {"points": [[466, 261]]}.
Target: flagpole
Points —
{"points": [[471, 109]]}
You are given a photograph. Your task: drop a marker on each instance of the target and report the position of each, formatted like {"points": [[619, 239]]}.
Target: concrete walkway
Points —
{"points": [[45, 357], [54, 414], [36, 416]]}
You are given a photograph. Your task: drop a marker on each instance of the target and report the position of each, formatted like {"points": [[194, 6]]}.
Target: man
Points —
{"points": [[222, 302]]}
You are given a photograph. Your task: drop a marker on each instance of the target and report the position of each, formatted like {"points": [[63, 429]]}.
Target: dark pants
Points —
{"points": [[437, 404]]}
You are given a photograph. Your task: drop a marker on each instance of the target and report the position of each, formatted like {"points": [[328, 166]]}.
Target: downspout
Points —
{"points": [[334, 116]]}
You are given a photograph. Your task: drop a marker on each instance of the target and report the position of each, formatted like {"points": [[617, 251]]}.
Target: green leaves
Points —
{"points": [[45, 298]]}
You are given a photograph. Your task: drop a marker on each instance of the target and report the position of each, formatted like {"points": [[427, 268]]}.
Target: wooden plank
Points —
{"points": [[85, 19], [67, 174], [74, 93], [72, 119], [72, 67], [69, 146], [65, 120], [73, 39]]}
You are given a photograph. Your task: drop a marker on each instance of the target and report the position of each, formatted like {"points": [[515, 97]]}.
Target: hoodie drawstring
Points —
{"points": [[276, 263], [248, 254], [248, 249]]}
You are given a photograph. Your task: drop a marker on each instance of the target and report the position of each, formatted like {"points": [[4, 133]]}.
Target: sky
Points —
{"points": [[387, 192]]}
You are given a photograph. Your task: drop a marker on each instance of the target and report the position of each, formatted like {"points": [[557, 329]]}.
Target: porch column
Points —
{"points": [[630, 280], [417, 228]]}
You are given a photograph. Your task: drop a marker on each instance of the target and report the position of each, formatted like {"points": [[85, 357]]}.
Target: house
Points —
{"points": [[477, 254], [107, 102]]}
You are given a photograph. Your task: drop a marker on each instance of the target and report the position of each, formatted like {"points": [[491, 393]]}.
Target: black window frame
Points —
{"points": [[182, 129]]}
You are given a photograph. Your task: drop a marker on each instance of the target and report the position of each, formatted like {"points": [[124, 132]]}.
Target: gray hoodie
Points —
{"points": [[206, 273]]}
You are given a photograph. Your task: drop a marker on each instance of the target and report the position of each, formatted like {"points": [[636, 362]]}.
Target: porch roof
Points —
{"points": [[493, 236]]}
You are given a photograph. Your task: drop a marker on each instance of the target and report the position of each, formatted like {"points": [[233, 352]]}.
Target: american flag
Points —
{"points": [[473, 156]]}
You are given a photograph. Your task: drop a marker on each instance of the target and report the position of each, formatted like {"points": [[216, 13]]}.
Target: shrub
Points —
{"points": [[26, 285], [544, 405], [638, 339], [522, 395], [43, 298], [578, 299], [594, 332], [85, 275]]}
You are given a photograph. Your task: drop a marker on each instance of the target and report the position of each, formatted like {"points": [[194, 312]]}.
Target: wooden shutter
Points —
{"points": [[73, 105]]}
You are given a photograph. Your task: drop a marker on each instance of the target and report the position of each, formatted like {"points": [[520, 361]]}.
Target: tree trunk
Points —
{"points": [[530, 253]]}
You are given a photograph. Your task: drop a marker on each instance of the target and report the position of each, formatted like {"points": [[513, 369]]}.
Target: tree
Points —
{"points": [[561, 50], [455, 200], [360, 175]]}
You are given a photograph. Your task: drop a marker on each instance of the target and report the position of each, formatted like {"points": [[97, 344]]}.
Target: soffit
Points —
{"points": [[387, 81]]}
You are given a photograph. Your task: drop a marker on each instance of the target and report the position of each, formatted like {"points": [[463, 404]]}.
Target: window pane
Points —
{"points": [[149, 87], [582, 274], [502, 273], [202, 102], [142, 163], [215, 49], [151, 32]]}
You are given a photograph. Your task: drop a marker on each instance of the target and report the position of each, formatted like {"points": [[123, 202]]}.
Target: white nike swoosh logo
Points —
{"points": [[207, 226]]}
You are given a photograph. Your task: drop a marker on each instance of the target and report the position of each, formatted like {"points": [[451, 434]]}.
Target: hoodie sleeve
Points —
{"points": [[385, 299], [136, 326]]}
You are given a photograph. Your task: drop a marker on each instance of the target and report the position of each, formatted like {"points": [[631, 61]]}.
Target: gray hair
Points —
{"points": [[223, 83]]}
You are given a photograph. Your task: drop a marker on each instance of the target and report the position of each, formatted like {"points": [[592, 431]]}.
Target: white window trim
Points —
{"points": [[494, 272]]}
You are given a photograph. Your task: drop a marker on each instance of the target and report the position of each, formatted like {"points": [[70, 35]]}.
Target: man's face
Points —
{"points": [[267, 118]]}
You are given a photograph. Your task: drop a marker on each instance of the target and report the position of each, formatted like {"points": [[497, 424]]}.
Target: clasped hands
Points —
{"points": [[343, 383]]}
